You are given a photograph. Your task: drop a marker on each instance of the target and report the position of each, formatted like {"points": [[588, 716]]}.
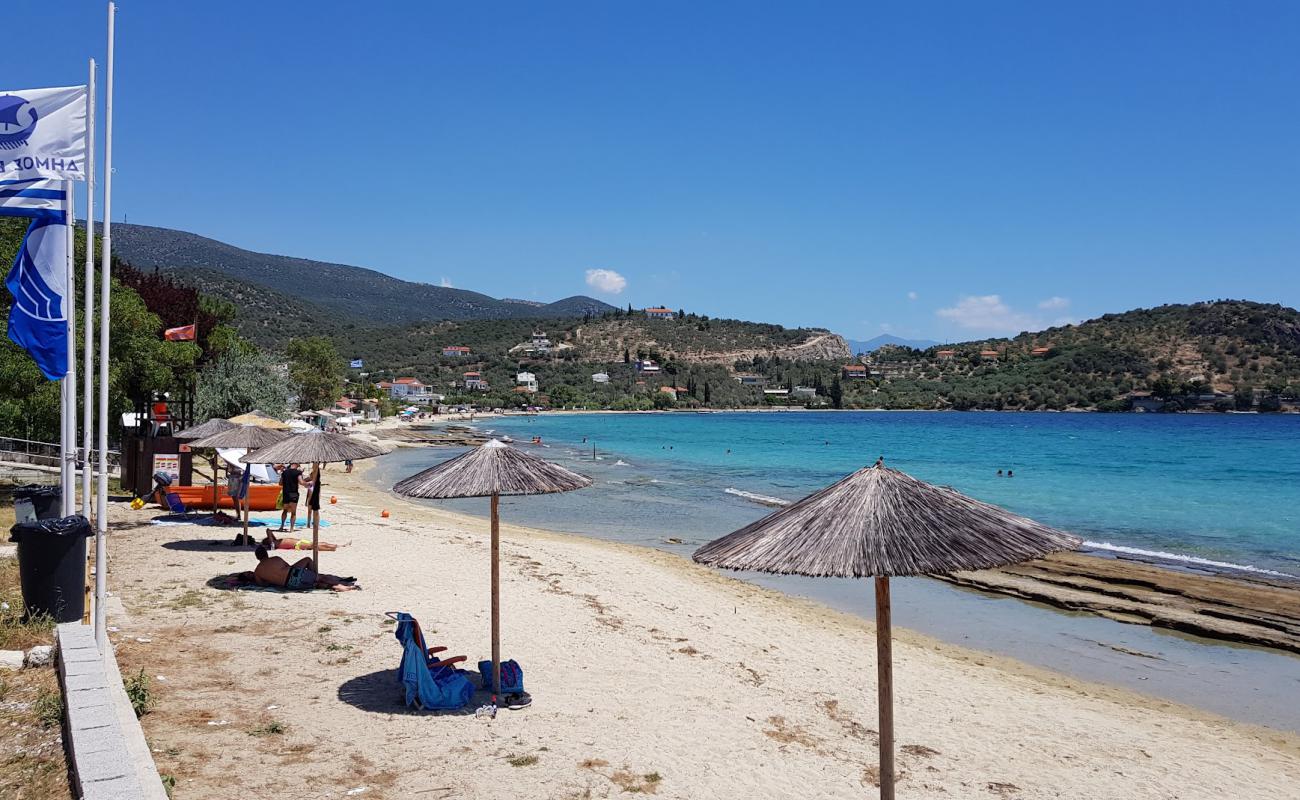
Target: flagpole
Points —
{"points": [[68, 442], [88, 351], [105, 271]]}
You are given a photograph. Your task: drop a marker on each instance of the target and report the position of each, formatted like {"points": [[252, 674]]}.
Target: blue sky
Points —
{"points": [[945, 170]]}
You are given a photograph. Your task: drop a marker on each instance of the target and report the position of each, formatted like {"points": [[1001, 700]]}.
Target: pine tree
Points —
{"points": [[707, 398], [837, 393]]}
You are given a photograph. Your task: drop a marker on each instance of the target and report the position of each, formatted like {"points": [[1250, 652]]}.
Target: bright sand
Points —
{"points": [[649, 674]]}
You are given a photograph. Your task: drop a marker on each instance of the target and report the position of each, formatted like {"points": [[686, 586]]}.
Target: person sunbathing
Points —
{"points": [[300, 576], [271, 542]]}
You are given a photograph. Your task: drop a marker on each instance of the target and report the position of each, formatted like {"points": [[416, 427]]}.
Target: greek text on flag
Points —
{"points": [[43, 133]]}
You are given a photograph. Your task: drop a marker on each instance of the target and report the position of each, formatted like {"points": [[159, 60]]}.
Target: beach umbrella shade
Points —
{"points": [[315, 448], [491, 470], [212, 426], [261, 420], [878, 523], [243, 437], [204, 429]]}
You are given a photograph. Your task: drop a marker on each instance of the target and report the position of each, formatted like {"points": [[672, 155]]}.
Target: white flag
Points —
{"points": [[43, 134]]}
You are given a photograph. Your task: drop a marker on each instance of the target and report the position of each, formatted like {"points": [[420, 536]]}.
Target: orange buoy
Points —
{"points": [[384, 513], [333, 499]]}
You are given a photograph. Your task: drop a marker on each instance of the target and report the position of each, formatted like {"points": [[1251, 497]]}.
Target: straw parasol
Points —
{"points": [[879, 522], [244, 437], [212, 426], [314, 448], [259, 419], [491, 470]]}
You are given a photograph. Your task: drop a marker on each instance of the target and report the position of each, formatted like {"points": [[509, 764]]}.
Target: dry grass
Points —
{"points": [[16, 633], [32, 765], [786, 733]]}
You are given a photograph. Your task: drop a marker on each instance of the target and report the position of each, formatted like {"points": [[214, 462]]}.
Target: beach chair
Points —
{"points": [[176, 505], [431, 683]]}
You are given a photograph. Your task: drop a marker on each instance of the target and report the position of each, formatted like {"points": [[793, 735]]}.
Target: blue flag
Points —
{"points": [[38, 320], [356, 363]]}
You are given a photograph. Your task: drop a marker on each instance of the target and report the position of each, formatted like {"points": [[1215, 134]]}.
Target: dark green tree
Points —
{"points": [[315, 372]]}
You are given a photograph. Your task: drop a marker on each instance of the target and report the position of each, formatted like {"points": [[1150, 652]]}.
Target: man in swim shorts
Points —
{"points": [[290, 480], [300, 576]]}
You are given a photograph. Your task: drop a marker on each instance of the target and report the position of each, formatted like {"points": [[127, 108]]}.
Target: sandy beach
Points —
{"points": [[649, 675]]}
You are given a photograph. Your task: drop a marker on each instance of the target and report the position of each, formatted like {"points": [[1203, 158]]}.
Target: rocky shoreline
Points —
{"points": [[1257, 611]]}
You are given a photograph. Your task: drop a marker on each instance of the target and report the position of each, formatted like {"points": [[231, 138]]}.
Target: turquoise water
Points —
{"points": [[1206, 491], [1224, 488]]}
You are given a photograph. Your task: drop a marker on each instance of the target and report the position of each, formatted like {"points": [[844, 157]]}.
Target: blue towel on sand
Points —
{"points": [[439, 688]]}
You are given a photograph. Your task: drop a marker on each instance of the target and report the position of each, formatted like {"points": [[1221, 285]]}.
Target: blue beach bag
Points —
{"points": [[512, 676]]}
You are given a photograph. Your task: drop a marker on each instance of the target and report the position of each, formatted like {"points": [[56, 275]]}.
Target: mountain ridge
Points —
{"points": [[348, 290]]}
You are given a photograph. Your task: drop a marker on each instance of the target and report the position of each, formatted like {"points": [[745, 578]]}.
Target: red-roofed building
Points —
{"points": [[1040, 351], [455, 350], [946, 355], [989, 355], [660, 313], [854, 371], [474, 380]]}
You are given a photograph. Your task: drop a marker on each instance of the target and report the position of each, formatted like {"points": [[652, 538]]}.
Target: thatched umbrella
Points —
{"points": [[314, 448], [212, 426], [879, 522], [244, 437], [491, 470], [203, 429], [261, 420]]}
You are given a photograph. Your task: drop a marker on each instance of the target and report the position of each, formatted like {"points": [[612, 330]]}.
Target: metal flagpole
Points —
{"points": [[88, 352], [68, 474], [105, 271]]}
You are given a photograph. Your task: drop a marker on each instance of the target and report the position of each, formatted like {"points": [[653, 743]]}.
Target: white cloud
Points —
{"points": [[886, 327], [446, 283], [1055, 303], [988, 314], [912, 295], [606, 280]]}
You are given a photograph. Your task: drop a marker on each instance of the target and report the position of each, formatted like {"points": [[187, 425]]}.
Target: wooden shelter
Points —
{"points": [[491, 470], [213, 426], [243, 437], [879, 522], [261, 420], [315, 448]]}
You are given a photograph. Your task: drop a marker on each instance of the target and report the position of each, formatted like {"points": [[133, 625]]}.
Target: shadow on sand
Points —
{"points": [[208, 545], [381, 693]]}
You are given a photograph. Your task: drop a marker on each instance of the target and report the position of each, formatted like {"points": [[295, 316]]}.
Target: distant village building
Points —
{"points": [[804, 393], [408, 390], [989, 355], [370, 409], [474, 380], [600, 377], [455, 351], [671, 391], [750, 380], [1144, 401], [647, 366], [1040, 351], [527, 381], [854, 371], [776, 392], [660, 313], [946, 355], [539, 343]]}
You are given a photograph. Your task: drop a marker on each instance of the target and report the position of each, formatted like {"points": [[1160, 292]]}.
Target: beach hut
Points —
{"points": [[315, 448], [879, 523], [242, 437], [491, 470]]}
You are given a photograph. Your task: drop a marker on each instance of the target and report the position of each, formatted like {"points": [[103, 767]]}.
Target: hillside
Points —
{"points": [[351, 292], [876, 342], [1224, 354]]}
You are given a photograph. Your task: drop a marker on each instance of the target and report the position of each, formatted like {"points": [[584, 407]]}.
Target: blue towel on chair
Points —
{"points": [[437, 688]]}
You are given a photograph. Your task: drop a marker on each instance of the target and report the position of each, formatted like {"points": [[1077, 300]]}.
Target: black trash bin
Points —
{"points": [[35, 501], [52, 565]]}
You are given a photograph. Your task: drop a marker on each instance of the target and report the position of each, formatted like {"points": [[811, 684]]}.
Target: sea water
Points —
{"points": [[1212, 492]]}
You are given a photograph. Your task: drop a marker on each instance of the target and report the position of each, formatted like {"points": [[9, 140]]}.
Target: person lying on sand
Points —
{"points": [[271, 542], [300, 576]]}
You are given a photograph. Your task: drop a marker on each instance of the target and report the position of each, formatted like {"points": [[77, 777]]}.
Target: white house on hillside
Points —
{"points": [[600, 377], [527, 380]]}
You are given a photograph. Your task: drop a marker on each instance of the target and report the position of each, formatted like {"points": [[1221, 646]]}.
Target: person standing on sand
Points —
{"points": [[290, 480]]}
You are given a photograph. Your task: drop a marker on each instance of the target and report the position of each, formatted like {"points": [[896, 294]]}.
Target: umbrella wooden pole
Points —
{"points": [[496, 599], [315, 516], [885, 687]]}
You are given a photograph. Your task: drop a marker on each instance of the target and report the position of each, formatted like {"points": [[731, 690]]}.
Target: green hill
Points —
{"points": [[352, 293]]}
